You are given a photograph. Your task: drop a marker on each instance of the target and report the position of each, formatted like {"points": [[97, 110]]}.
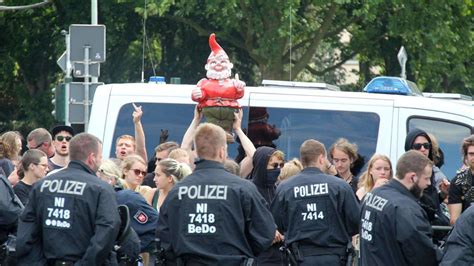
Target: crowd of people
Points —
{"points": [[190, 204]]}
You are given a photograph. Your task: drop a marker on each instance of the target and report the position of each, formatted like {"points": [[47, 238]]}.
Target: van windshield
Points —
{"points": [[283, 128]]}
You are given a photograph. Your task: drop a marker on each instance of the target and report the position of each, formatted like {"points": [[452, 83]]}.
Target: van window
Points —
{"points": [[449, 135], [297, 125], [284, 128], [158, 117]]}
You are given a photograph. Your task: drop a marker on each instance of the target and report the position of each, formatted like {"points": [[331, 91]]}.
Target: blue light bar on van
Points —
{"points": [[392, 85]]}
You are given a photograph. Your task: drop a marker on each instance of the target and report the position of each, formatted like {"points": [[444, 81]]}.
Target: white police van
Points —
{"points": [[376, 122]]}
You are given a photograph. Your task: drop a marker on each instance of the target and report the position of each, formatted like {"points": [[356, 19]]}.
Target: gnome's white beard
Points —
{"points": [[211, 74]]}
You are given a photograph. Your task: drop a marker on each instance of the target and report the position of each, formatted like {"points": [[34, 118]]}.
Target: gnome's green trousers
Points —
{"points": [[221, 116]]}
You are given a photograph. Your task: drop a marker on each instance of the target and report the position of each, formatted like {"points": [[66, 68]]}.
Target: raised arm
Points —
{"points": [[140, 147], [187, 142], [246, 164]]}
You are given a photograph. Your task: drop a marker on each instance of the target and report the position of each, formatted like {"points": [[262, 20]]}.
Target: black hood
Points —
{"points": [[412, 135], [259, 172]]}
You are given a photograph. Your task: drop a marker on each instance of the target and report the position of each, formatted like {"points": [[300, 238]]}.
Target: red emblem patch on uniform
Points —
{"points": [[141, 217]]}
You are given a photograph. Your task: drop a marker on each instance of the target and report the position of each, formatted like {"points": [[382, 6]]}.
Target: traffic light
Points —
{"points": [[59, 102]]}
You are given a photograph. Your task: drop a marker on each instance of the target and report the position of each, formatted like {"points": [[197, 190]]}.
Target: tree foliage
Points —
{"points": [[438, 38], [280, 37], [291, 39]]}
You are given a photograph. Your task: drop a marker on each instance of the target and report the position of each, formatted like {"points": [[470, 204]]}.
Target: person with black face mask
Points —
{"points": [[267, 163], [392, 218]]}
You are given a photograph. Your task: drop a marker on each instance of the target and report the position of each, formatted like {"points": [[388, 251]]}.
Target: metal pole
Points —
{"points": [[86, 87], [94, 12], [94, 21], [67, 81]]}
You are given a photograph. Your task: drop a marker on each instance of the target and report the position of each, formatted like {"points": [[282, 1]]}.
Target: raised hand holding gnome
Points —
{"points": [[217, 94]]}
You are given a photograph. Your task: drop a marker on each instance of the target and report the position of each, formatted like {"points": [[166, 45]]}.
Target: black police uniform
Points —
{"points": [[461, 189], [213, 217], [318, 214], [71, 216], [10, 209], [459, 249], [394, 229], [143, 217]]}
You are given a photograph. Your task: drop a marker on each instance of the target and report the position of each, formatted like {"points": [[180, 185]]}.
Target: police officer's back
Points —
{"points": [[72, 215], [213, 217], [459, 249], [10, 209], [317, 213], [394, 229]]}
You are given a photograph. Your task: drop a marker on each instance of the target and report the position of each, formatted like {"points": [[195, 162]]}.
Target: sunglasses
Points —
{"points": [[426, 145], [277, 165], [61, 138], [138, 172]]}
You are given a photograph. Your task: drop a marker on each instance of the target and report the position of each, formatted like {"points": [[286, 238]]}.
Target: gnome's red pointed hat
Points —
{"points": [[216, 49]]}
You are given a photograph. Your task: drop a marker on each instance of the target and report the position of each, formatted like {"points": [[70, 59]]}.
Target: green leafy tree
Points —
{"points": [[282, 38], [438, 38]]}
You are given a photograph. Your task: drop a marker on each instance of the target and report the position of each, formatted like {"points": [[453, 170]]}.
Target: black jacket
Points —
{"points": [[213, 217], [316, 209], [10, 209], [71, 215], [394, 229], [459, 249]]}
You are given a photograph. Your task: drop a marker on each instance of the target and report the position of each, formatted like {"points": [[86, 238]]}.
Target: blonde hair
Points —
{"points": [[178, 153], [232, 167], [367, 181], [129, 161], [278, 154], [175, 169], [110, 168], [291, 168], [9, 138], [435, 150]]}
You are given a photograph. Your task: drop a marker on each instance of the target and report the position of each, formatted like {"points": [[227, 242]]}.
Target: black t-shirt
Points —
{"points": [[22, 190], [457, 190], [353, 183]]}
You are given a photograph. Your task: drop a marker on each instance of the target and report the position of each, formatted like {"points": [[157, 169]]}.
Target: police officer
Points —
{"points": [[10, 209], [143, 220], [461, 191], [394, 229], [317, 213], [72, 215], [213, 217], [459, 249]]}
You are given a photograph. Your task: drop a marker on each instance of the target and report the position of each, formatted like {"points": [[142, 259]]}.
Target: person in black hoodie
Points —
{"points": [[419, 140], [267, 163]]}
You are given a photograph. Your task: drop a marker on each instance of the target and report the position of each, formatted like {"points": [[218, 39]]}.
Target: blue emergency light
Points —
{"points": [[392, 85]]}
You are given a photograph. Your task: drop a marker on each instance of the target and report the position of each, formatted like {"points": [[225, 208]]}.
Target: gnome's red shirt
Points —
{"points": [[218, 93]]}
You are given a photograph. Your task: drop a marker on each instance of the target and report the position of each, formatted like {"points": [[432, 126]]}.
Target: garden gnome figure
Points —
{"points": [[217, 94]]}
